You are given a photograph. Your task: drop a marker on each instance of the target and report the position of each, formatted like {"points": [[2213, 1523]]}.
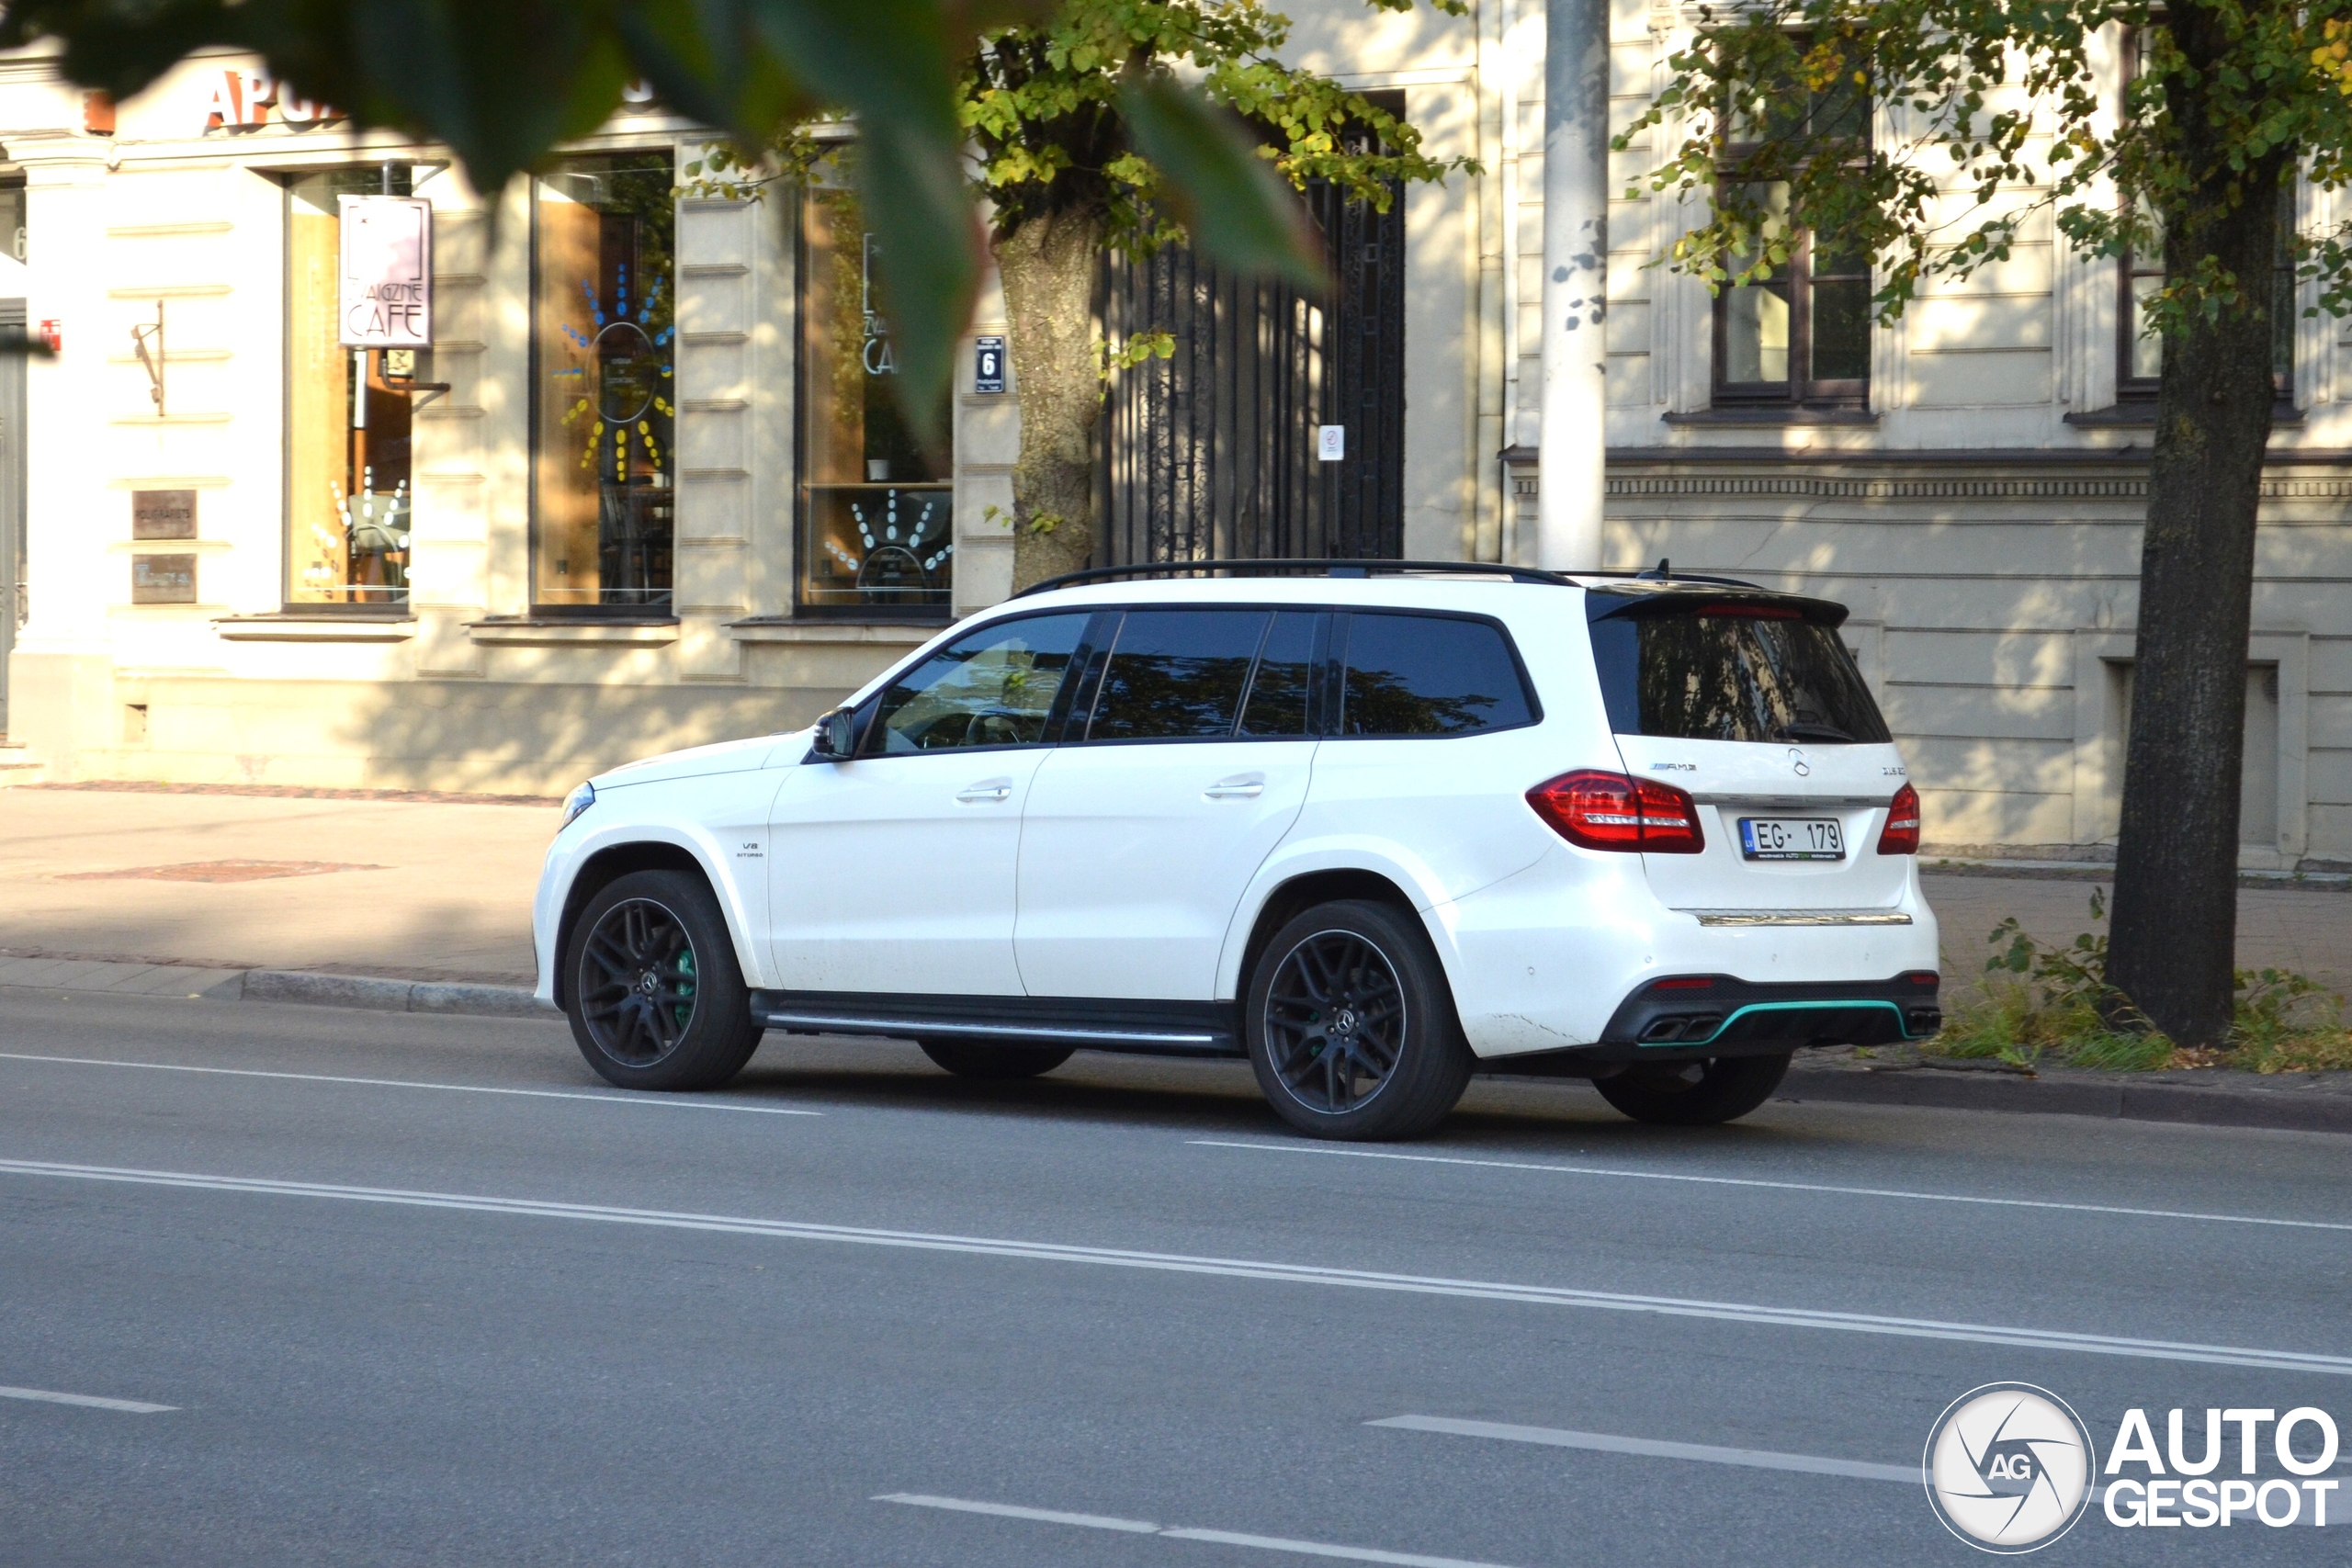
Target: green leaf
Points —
{"points": [[1237, 209]]}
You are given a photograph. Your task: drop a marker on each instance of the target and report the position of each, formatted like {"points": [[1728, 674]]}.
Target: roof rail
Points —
{"points": [[1307, 567], [1315, 566]]}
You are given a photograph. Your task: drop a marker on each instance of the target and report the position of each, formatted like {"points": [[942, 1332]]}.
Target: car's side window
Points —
{"points": [[994, 687], [1177, 674], [1278, 692], [1418, 674]]}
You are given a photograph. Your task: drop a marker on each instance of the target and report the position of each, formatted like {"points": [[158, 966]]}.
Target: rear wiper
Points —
{"points": [[1803, 730]]}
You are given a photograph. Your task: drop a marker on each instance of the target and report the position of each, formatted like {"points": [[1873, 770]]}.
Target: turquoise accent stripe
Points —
{"points": [[1901, 1024]]}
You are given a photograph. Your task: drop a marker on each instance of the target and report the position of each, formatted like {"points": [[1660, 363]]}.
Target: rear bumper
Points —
{"points": [[1718, 1015]]}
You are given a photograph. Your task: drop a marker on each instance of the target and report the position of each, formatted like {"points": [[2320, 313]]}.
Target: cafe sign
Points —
{"points": [[387, 272]]}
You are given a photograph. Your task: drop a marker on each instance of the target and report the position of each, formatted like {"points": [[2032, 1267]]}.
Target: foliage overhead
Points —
{"points": [[1978, 100], [501, 82]]}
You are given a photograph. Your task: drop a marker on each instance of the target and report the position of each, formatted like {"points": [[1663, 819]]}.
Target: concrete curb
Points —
{"points": [[393, 995], [2215, 1099]]}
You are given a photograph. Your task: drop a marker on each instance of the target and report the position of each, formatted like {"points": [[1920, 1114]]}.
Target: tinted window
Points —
{"points": [[1428, 675], [1756, 673], [1177, 674], [995, 687], [1286, 674]]}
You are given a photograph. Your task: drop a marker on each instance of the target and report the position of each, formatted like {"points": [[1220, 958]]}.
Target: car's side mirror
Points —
{"points": [[836, 736]]}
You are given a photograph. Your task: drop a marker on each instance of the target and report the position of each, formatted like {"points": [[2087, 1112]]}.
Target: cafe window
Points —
{"points": [[349, 488], [878, 526], [1799, 336], [604, 419]]}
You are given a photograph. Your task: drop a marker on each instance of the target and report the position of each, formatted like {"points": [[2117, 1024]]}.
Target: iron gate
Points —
{"points": [[1212, 454]]}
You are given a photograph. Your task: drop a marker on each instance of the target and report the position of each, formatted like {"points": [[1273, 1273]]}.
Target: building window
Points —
{"points": [[2140, 353], [1800, 337], [349, 491], [604, 417], [12, 217], [877, 513]]}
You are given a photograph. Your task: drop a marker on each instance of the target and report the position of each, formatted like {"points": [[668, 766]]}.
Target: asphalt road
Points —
{"points": [[422, 1290]]}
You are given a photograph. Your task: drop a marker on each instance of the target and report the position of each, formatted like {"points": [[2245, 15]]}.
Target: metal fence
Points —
{"points": [[1212, 454]]}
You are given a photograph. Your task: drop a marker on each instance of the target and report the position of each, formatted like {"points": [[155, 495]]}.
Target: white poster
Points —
{"points": [[387, 272]]}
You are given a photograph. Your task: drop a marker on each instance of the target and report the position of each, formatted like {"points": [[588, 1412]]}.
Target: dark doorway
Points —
{"points": [[1213, 455]]}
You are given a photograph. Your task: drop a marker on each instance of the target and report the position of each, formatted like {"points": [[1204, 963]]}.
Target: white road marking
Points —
{"points": [[1781, 1186], [47, 1396], [1225, 1268], [1215, 1537], [1008, 1511], [646, 1098], [1603, 1442]]}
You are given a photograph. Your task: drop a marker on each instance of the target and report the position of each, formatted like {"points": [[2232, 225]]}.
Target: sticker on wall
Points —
{"points": [[628, 363], [162, 579], [1331, 443]]}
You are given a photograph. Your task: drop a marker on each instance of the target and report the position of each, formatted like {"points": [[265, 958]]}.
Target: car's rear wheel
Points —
{"points": [[1694, 1093], [973, 1059], [655, 997], [1351, 1026]]}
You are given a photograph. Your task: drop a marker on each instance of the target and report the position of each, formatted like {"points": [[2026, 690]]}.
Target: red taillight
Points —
{"points": [[1901, 834], [1609, 811]]}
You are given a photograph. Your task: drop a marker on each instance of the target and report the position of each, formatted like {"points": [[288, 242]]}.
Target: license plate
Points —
{"points": [[1791, 838]]}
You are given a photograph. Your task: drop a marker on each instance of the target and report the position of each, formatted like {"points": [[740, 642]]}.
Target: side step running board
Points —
{"points": [[1160, 1041]]}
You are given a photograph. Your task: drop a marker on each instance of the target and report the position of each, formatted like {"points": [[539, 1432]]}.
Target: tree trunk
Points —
{"points": [[1047, 264], [2174, 937]]}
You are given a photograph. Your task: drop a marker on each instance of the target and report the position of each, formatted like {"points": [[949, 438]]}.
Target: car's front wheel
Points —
{"points": [[1351, 1026], [1694, 1094], [655, 994], [973, 1059]]}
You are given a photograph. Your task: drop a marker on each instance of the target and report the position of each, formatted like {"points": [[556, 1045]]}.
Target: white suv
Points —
{"points": [[1375, 827]]}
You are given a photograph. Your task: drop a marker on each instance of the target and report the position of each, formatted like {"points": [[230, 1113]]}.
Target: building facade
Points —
{"points": [[645, 487]]}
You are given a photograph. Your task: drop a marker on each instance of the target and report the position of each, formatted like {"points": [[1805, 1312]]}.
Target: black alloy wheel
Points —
{"points": [[655, 997], [636, 982], [1694, 1093], [1335, 1021], [1352, 1028]]}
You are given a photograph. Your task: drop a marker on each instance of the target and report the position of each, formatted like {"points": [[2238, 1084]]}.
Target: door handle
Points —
{"points": [[987, 791], [1243, 787]]}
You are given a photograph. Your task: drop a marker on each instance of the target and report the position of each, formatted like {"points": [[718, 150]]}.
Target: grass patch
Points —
{"points": [[2047, 1005]]}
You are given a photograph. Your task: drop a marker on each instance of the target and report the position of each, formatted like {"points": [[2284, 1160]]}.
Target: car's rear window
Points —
{"points": [[1734, 671], [1421, 674]]}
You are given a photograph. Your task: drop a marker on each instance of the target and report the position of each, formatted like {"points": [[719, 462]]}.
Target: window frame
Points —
{"points": [[642, 614], [1802, 390], [404, 608], [874, 614], [2131, 389]]}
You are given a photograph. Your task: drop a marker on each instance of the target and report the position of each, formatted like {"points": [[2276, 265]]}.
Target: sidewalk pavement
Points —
{"points": [[420, 888], [414, 888], [422, 904]]}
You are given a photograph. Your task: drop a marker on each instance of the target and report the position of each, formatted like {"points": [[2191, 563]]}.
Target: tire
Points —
{"points": [[655, 997], [1350, 1025], [1723, 1088], [974, 1059]]}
